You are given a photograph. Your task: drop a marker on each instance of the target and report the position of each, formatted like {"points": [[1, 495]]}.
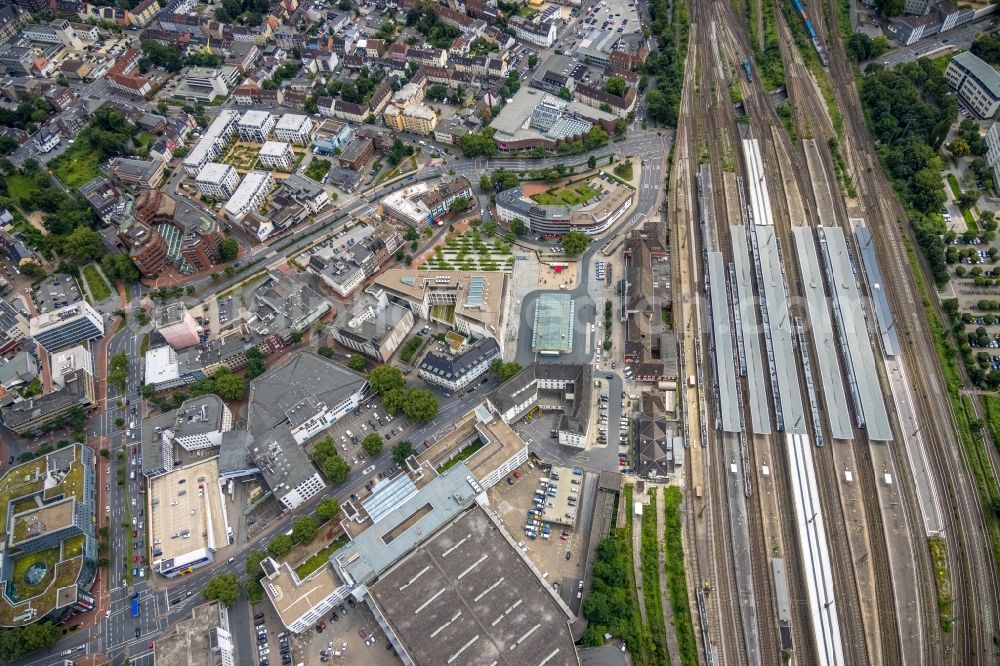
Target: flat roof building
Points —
{"points": [[976, 82], [250, 195], [468, 595], [294, 128], [376, 327], [473, 303], [187, 518], [176, 325], [256, 126], [218, 181], [288, 406], [277, 155], [66, 326], [216, 137], [203, 638], [198, 424]]}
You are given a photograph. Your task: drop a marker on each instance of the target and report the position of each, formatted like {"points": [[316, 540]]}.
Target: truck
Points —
{"points": [[135, 604]]}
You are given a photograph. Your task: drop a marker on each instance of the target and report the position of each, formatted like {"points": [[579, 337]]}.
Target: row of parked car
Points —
{"points": [[285, 648]]}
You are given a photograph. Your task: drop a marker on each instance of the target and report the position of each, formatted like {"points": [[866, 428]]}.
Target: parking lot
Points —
{"points": [[354, 637], [512, 503], [55, 291], [275, 645], [350, 431]]}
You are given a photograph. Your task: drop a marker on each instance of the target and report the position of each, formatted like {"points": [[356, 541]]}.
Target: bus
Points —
{"points": [[135, 604]]}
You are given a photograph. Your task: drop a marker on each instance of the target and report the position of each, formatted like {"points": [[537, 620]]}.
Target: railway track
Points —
{"points": [[974, 575]]}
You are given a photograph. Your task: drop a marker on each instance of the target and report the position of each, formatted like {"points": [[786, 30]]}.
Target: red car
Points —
{"points": [[135, 533], [133, 450], [135, 558]]}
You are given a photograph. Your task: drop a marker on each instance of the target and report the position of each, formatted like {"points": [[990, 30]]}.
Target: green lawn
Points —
{"points": [[320, 557], [143, 142], [49, 556], [953, 182], [462, 455], [571, 195], [318, 168], [77, 165], [95, 281], [20, 186]]}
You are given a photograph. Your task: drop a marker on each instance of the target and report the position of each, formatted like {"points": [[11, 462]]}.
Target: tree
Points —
{"points": [[304, 529], [421, 405], [225, 588], [592, 162], [118, 371], [401, 452], [516, 226], [890, 7], [327, 509], [372, 444], [616, 86], [959, 147], [575, 242], [254, 558], [967, 199], [19, 641], [437, 92], [385, 378], [228, 385], [459, 205], [229, 249], [325, 352], [859, 47], [83, 245], [393, 400], [357, 363], [987, 47], [336, 469], [504, 370]]}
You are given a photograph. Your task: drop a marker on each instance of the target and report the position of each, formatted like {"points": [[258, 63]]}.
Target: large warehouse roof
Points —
{"points": [[467, 596]]}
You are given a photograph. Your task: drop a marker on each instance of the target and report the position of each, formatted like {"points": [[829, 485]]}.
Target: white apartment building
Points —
{"points": [[294, 128], [218, 181], [542, 34], [993, 151], [211, 145], [976, 82], [256, 126], [249, 195], [277, 155]]}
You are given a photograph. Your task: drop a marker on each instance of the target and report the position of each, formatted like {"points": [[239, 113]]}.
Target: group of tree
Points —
{"points": [[499, 180], [575, 243], [173, 60], [504, 370], [987, 46], [596, 137], [416, 404], [255, 363], [861, 47], [439, 34], [19, 641], [611, 607], [27, 115], [459, 205], [398, 152], [244, 12], [616, 85], [223, 383], [666, 64], [118, 371], [225, 588], [286, 71], [358, 90], [510, 85], [385, 378], [968, 140], [910, 110], [478, 144], [437, 92]]}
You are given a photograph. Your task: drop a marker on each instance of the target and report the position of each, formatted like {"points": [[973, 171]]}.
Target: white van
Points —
{"points": [[349, 435]]}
